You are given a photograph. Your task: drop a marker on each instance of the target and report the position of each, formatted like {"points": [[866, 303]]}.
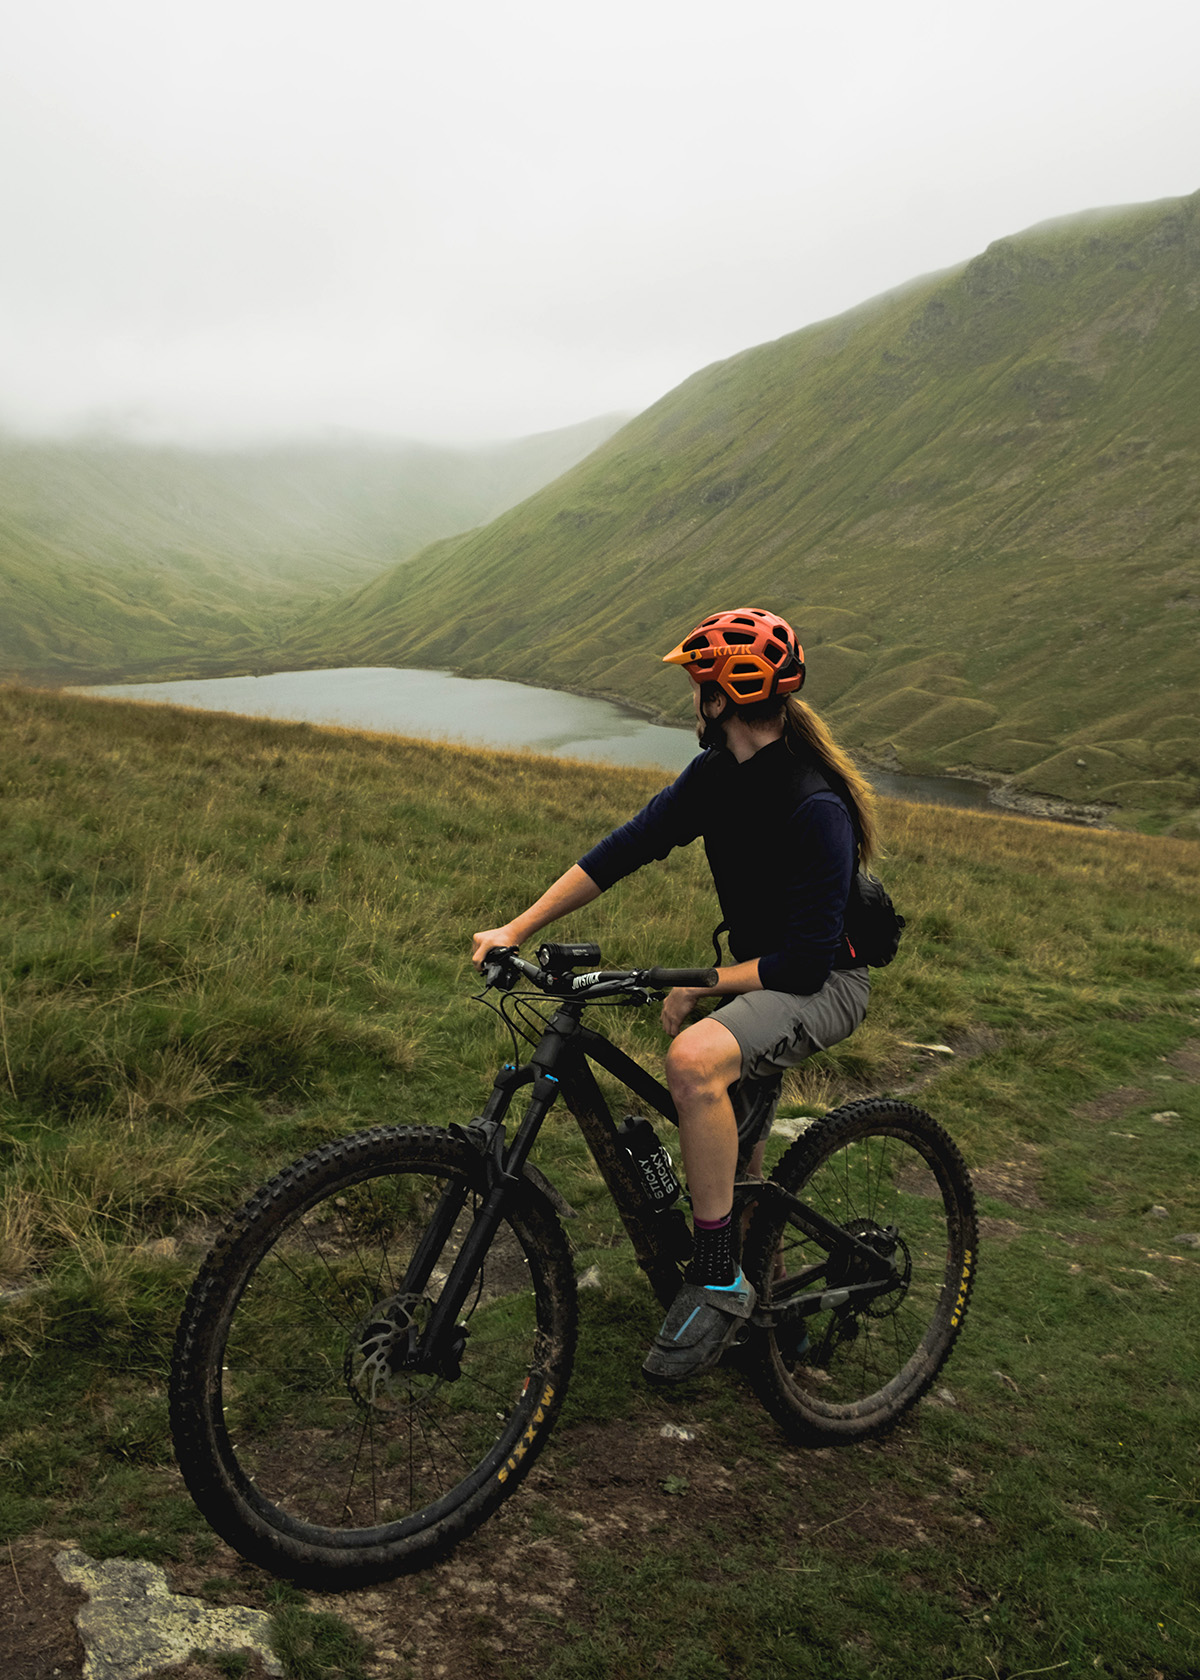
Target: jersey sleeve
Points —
{"points": [[672, 818]]}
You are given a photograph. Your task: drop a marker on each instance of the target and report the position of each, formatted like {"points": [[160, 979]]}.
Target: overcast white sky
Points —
{"points": [[491, 217]]}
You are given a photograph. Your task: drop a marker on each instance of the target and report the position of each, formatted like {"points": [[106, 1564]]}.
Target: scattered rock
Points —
{"points": [[1167, 1117], [589, 1279], [159, 1248], [1007, 1381], [133, 1623], [674, 1432], [946, 1396], [793, 1128], [1188, 1239], [1157, 1212]]}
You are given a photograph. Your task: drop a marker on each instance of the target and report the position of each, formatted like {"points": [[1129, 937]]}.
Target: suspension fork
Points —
{"points": [[440, 1346]]}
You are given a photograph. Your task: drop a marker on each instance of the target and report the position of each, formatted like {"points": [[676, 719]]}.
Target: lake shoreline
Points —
{"points": [[1004, 795], [1004, 792]]}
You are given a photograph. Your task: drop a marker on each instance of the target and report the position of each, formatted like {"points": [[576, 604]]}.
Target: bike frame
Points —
{"points": [[559, 1064]]}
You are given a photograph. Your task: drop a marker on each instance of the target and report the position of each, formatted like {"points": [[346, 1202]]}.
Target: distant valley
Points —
{"points": [[118, 560], [978, 497]]}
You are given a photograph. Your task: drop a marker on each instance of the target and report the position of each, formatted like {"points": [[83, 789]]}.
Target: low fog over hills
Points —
{"points": [[117, 559], [976, 496]]}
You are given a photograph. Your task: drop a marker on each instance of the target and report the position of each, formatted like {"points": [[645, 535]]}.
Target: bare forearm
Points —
{"points": [[738, 977], [570, 892]]}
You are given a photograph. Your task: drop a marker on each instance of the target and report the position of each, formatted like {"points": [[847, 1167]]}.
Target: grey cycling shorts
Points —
{"points": [[777, 1030]]}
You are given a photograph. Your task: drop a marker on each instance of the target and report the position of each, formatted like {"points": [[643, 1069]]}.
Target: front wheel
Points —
{"points": [[305, 1429], [889, 1175]]}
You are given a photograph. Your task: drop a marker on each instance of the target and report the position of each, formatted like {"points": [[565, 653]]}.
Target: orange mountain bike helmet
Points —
{"points": [[753, 655]]}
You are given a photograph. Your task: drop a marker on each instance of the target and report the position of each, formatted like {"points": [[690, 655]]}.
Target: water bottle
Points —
{"points": [[654, 1163]]}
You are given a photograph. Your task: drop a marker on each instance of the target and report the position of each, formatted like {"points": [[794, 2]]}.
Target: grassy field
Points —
{"points": [[225, 941]]}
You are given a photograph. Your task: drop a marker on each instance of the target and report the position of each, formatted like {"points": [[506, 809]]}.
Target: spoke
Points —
{"points": [[873, 1196], [431, 1456], [450, 1442], [498, 1394], [408, 1419], [364, 1430], [306, 1286]]}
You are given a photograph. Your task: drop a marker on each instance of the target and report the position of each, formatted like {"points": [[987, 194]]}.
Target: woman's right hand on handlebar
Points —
{"points": [[488, 941]]}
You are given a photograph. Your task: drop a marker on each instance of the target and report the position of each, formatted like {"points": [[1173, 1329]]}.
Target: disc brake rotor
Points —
{"points": [[379, 1351], [889, 1245]]}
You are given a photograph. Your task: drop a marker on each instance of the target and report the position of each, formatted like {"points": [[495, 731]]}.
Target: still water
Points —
{"points": [[479, 712]]}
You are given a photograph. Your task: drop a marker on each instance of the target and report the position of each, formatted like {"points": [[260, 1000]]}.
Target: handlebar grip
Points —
{"points": [[681, 976]]}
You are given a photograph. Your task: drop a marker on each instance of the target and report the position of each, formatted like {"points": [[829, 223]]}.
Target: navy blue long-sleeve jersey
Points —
{"points": [[782, 858]]}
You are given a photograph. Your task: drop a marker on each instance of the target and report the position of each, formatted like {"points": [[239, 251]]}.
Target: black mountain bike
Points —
{"points": [[378, 1344]]}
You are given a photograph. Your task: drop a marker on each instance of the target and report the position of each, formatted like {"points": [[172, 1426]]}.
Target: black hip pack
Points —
{"points": [[872, 925]]}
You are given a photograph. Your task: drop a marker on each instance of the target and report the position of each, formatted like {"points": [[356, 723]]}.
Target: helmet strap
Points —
{"points": [[712, 736]]}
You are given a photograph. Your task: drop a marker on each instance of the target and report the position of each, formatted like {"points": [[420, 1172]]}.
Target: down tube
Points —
{"points": [[614, 1060], [586, 1102]]}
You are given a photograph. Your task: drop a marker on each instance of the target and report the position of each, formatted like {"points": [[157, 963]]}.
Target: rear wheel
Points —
{"points": [[305, 1432], [887, 1174]]}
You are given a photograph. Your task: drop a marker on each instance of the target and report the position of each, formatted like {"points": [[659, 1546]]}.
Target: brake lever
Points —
{"points": [[498, 972]]}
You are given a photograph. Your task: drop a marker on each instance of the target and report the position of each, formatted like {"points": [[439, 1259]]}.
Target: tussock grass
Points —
{"points": [[225, 940]]}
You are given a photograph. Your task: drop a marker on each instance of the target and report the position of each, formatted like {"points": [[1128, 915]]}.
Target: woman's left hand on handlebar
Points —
{"points": [[677, 1006]]}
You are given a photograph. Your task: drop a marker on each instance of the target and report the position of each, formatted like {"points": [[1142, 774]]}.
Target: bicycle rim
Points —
{"points": [[301, 1434], [890, 1175]]}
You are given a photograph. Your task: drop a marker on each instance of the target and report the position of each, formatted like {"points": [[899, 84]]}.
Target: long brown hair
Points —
{"points": [[805, 732]]}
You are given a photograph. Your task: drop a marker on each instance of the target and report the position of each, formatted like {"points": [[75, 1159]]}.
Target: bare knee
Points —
{"points": [[700, 1065]]}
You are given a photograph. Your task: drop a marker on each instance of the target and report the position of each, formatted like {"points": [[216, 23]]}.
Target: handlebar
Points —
{"points": [[502, 967], [680, 976]]}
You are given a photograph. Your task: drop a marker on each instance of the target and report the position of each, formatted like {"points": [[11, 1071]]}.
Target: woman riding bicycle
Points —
{"points": [[785, 818]]}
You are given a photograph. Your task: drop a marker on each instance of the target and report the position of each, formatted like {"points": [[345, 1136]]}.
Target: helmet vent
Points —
{"points": [[752, 655]]}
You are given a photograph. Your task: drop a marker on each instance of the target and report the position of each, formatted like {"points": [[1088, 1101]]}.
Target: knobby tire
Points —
{"points": [[301, 1436], [873, 1168]]}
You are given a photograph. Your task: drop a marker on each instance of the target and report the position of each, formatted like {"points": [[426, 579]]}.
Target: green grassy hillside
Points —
{"points": [[225, 941], [976, 497], [117, 560]]}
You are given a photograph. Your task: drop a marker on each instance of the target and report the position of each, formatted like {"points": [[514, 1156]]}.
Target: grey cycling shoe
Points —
{"points": [[703, 1320]]}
